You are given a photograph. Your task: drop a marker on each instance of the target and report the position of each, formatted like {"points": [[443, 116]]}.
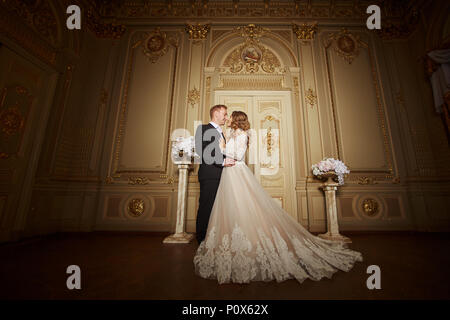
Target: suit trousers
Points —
{"points": [[208, 190]]}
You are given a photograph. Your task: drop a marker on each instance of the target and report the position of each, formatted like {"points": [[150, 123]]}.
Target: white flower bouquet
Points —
{"points": [[331, 166], [183, 149]]}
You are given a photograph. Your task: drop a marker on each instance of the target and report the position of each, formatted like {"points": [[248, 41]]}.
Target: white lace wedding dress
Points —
{"points": [[251, 238]]}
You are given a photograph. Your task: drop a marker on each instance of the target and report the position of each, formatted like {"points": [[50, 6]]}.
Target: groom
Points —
{"points": [[207, 138]]}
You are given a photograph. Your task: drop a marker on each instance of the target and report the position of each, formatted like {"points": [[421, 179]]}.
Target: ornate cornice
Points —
{"points": [[232, 9], [101, 29], [12, 26]]}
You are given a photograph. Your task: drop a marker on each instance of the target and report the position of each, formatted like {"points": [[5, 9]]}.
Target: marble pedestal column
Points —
{"points": [[332, 233], [180, 236]]}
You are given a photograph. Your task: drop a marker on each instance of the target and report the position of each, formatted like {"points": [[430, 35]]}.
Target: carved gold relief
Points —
{"points": [[251, 56], [271, 142], [345, 44], [247, 82], [15, 104], [193, 96], [197, 32], [370, 206], [366, 180], [136, 207], [232, 9], [251, 31], [38, 15], [311, 98], [169, 179], [138, 180], [305, 31], [18, 30], [101, 29], [154, 46], [11, 121]]}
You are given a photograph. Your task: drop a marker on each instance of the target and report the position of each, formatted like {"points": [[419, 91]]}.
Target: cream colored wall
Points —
{"points": [[104, 162]]}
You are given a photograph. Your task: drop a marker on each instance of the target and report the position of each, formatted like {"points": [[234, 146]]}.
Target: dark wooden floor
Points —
{"points": [[140, 266]]}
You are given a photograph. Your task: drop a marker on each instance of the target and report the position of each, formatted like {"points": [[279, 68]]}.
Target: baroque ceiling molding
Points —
{"points": [[101, 29], [345, 44], [39, 16]]}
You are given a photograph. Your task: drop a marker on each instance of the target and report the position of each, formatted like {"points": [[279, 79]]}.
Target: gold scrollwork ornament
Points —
{"points": [[155, 45], [193, 96], [136, 207], [370, 207], [197, 32]]}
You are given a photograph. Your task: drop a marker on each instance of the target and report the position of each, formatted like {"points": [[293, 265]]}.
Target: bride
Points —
{"points": [[251, 238]]}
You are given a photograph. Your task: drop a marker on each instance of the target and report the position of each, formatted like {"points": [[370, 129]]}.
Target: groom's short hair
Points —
{"points": [[215, 108]]}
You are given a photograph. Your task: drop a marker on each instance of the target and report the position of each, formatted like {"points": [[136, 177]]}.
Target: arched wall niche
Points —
{"points": [[220, 50]]}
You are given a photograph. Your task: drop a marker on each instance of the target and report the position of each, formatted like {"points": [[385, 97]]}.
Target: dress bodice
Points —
{"points": [[236, 145]]}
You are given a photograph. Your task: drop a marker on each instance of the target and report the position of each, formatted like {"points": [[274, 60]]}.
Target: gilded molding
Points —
{"points": [[139, 39], [366, 180], [197, 32], [136, 207], [311, 97], [345, 44], [304, 31], [138, 180], [370, 206], [15, 104], [251, 56], [101, 29], [12, 28], [331, 39], [193, 97]]}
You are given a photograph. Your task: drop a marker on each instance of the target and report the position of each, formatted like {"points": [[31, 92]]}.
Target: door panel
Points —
{"points": [[269, 155]]}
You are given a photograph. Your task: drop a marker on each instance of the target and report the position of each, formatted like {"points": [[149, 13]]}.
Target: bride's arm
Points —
{"points": [[237, 149]]}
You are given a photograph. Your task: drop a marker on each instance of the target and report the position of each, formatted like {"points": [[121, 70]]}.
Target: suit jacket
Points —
{"points": [[207, 140]]}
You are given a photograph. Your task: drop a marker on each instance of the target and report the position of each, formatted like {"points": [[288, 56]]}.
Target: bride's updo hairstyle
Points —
{"points": [[239, 120]]}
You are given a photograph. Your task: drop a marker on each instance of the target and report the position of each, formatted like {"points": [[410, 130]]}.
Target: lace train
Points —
{"points": [[251, 238], [237, 261]]}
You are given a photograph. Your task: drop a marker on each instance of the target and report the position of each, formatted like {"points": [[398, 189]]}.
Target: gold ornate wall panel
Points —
{"points": [[361, 131], [143, 132], [24, 92], [81, 106], [15, 106]]}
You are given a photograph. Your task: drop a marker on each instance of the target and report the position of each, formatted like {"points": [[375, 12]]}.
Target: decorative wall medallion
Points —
{"points": [[370, 206], [251, 54], [193, 96], [305, 31], [155, 45], [197, 32], [11, 121], [345, 44], [138, 180], [136, 207], [311, 98], [252, 57]]}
